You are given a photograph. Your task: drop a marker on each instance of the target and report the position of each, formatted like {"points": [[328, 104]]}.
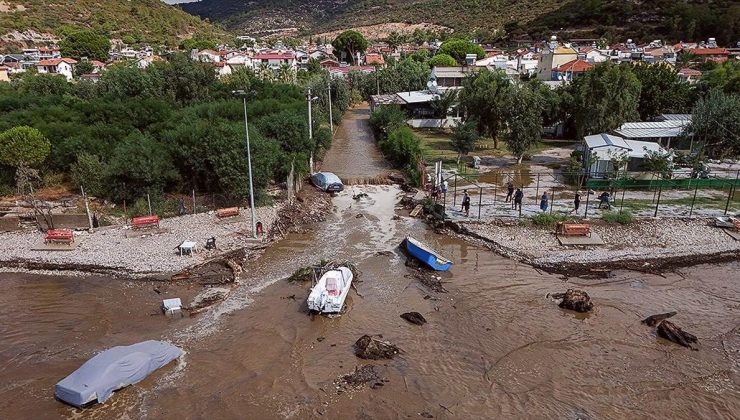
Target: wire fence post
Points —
{"points": [[480, 200], [693, 200], [552, 200], [537, 190], [588, 195], [732, 192], [622, 203], [193, 201], [149, 202], [454, 193], [657, 203], [494, 197]]}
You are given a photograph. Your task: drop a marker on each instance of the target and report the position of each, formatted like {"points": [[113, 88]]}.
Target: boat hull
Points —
{"points": [[321, 300], [427, 256]]}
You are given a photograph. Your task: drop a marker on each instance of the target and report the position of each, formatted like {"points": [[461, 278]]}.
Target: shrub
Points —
{"points": [[623, 218], [88, 172], [547, 219], [385, 119], [402, 147]]}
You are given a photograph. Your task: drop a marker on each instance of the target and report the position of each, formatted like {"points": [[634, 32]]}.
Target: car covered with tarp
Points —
{"points": [[113, 369], [327, 181]]}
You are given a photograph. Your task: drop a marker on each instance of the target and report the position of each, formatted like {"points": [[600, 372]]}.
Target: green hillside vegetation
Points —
{"points": [[170, 128], [141, 21], [492, 19]]}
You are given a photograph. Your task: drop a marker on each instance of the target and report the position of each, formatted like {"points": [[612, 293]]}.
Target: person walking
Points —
{"points": [[576, 202], [544, 202], [466, 203], [604, 200], [518, 197], [509, 191]]}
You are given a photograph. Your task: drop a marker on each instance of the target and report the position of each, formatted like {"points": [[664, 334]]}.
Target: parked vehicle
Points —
{"points": [[328, 294], [113, 369], [426, 255], [327, 181]]}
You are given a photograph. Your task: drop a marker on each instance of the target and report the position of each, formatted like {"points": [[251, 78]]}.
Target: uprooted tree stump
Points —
{"points": [[414, 318], [367, 347], [575, 300], [653, 320], [672, 332]]}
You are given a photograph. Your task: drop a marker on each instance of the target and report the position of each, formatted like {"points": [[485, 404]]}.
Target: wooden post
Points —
{"points": [[552, 200], [588, 196], [480, 200], [193, 201], [454, 194], [149, 202], [693, 200], [125, 213], [537, 191], [622, 203], [657, 203], [87, 208]]}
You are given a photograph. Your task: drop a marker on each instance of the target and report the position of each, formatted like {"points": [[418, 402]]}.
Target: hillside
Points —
{"points": [[145, 21], [639, 19]]}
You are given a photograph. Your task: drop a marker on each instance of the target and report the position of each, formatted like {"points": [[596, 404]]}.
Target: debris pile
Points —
{"points": [[306, 274], [207, 298], [430, 280], [361, 376], [414, 318], [367, 347], [669, 330], [575, 300]]}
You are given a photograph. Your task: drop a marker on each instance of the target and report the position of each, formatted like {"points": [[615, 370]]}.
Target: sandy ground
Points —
{"points": [[641, 241], [110, 251]]}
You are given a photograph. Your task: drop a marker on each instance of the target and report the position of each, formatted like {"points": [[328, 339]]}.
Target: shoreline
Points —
{"points": [[681, 243]]}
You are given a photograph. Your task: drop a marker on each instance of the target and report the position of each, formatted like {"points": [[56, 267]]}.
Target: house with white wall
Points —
{"points": [[63, 66]]}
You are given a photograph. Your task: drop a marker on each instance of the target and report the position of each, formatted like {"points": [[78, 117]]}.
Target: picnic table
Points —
{"points": [[60, 235], [187, 248], [573, 229], [145, 222]]}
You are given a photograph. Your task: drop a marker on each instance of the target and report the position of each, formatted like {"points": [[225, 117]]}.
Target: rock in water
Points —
{"points": [[414, 318], [371, 348], [576, 300], [653, 320], [672, 332], [362, 375]]}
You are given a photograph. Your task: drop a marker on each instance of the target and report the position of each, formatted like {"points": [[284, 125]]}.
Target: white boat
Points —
{"points": [[328, 294]]}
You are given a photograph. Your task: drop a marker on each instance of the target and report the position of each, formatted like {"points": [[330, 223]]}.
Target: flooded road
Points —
{"points": [[494, 347]]}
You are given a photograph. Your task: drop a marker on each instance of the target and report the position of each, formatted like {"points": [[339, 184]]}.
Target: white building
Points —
{"points": [[63, 66], [602, 150], [275, 59], [240, 60]]}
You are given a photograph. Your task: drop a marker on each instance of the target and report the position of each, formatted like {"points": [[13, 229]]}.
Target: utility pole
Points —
{"points": [[244, 94], [310, 130], [331, 119]]}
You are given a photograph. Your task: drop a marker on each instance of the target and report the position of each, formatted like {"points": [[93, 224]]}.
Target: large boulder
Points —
{"points": [[367, 347]]}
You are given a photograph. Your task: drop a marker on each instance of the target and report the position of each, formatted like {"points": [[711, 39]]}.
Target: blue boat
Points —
{"points": [[424, 254]]}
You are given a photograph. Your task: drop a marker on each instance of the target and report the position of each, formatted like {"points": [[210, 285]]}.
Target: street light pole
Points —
{"points": [[310, 130], [331, 119], [249, 163]]}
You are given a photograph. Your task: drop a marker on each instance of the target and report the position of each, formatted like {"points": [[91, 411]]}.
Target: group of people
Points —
{"points": [[516, 196]]}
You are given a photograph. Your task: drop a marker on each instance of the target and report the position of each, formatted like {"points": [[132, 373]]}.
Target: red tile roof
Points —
{"points": [[689, 72], [346, 69], [374, 59], [708, 51], [274, 56], [56, 62], [574, 66]]}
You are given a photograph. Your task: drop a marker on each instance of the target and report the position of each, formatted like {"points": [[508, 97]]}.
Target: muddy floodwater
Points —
{"points": [[495, 346]]}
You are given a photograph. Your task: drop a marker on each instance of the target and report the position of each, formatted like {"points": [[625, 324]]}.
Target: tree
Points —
{"points": [[43, 85], [23, 147], [604, 98], [88, 172], [350, 42], [725, 76], [661, 91], [402, 147], [715, 123], [523, 118], [484, 99], [659, 163], [442, 60], [85, 44], [386, 119], [443, 103], [464, 138], [83, 67], [459, 48], [394, 39]]}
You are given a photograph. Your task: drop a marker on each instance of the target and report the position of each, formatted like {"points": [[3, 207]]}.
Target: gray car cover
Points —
{"points": [[114, 369]]}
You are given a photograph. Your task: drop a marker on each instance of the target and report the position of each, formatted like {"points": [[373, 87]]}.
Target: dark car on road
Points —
{"points": [[327, 181]]}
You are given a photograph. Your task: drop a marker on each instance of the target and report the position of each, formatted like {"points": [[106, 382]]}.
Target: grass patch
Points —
{"points": [[623, 218], [547, 219]]}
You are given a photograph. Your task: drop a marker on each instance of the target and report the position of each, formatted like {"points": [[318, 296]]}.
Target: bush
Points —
{"points": [[623, 218], [547, 219], [402, 147], [385, 119], [88, 172]]}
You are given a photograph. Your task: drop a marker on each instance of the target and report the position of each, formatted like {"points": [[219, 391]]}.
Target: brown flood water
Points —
{"points": [[494, 347]]}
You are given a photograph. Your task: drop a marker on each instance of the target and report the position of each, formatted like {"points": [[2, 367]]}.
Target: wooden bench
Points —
{"points": [[227, 212], [145, 222], [574, 229], [60, 235]]}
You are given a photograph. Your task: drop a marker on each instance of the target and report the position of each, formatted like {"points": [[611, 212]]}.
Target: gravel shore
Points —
{"points": [[641, 243], [110, 251]]}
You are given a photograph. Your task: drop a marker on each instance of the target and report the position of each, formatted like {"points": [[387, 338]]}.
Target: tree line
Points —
{"points": [[171, 127]]}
